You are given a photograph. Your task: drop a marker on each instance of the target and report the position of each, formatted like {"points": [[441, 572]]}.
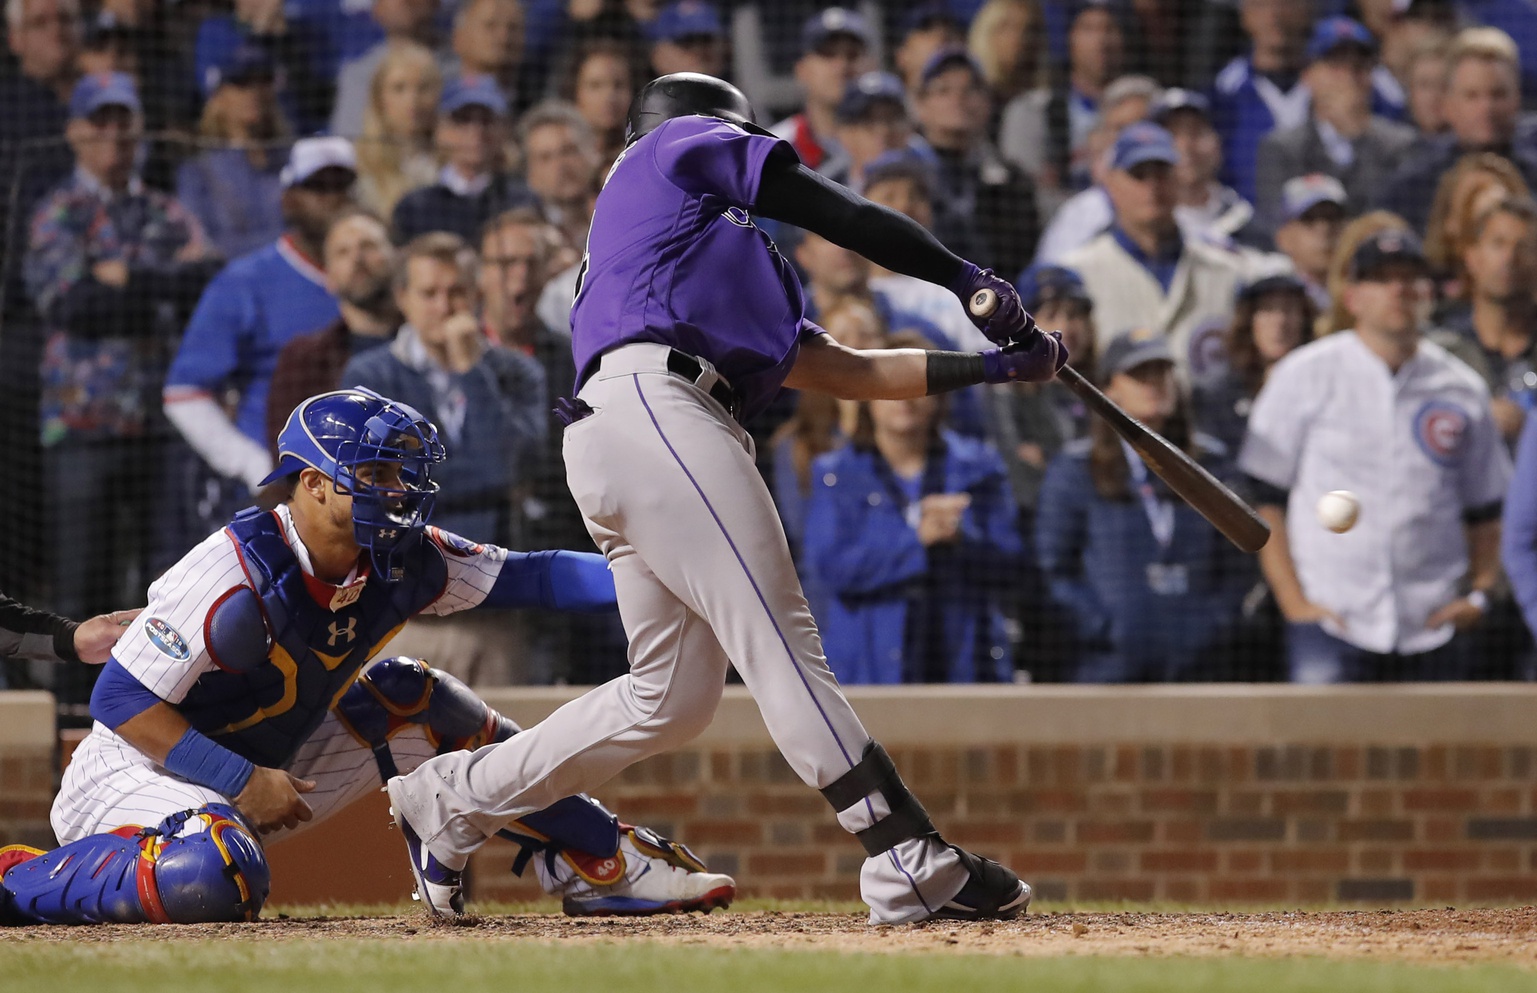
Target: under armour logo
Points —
{"points": [[389, 533], [345, 633]]}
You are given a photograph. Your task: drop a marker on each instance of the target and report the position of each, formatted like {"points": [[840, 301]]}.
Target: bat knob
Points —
{"points": [[984, 302]]}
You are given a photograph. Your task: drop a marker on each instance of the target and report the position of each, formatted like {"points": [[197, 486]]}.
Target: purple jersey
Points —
{"points": [[674, 258]]}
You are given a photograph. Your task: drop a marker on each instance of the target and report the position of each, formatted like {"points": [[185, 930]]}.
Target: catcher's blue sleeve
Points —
{"points": [[555, 580], [118, 696]]}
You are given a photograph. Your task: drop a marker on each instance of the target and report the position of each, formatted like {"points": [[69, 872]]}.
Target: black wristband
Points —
{"points": [[953, 370]]}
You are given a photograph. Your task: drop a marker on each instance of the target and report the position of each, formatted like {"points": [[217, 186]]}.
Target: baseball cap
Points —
{"points": [[104, 89], [868, 90], [686, 19], [1301, 194], [1130, 349], [473, 91], [1142, 142], [311, 155], [106, 28], [930, 15], [904, 163], [1334, 33], [948, 58], [1276, 282], [1176, 99], [242, 64], [1041, 284], [1384, 248], [831, 23]]}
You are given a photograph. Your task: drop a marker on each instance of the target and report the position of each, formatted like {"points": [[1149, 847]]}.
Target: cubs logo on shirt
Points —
{"points": [[454, 544], [167, 639], [1439, 427], [1207, 348]]}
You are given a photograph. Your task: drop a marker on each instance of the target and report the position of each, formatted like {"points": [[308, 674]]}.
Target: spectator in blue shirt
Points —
{"points": [[911, 533], [252, 309], [233, 187], [1154, 589], [294, 44]]}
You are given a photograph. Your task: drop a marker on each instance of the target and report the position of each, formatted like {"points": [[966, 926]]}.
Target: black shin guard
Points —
{"points": [[875, 773]]}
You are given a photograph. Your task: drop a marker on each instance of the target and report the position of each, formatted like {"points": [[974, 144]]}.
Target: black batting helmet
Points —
{"points": [[684, 94]]}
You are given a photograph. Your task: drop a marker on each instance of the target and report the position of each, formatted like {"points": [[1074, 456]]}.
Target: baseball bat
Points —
{"points": [[1200, 489]]}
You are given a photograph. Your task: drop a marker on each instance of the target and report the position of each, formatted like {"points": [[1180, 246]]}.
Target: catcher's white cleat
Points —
{"points": [[649, 874]]}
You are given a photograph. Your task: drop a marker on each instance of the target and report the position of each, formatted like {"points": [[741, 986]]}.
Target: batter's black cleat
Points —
{"points": [[993, 893]]}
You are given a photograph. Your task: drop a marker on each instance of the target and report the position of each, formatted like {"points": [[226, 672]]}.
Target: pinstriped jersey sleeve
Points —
{"points": [[472, 571], [164, 648]]}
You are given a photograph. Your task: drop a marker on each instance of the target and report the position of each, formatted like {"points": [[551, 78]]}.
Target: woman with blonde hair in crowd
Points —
{"points": [[600, 80], [1478, 181], [232, 185], [1008, 40], [1337, 318], [395, 149]]}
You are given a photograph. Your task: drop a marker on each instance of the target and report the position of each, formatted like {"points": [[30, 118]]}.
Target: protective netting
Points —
{"points": [[1190, 190]]}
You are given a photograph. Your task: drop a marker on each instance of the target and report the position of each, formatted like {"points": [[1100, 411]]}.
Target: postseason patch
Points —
{"points": [[167, 639], [1439, 428], [455, 545]]}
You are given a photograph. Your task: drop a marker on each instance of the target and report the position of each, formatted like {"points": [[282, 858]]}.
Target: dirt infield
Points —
{"points": [[1421, 936]]}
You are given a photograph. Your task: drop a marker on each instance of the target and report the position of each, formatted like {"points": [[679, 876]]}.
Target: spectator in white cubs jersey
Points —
{"points": [[1143, 272], [1395, 419]]}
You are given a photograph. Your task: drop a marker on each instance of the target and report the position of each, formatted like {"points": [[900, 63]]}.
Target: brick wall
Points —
{"points": [[1203, 794], [1179, 820], [1186, 823]]}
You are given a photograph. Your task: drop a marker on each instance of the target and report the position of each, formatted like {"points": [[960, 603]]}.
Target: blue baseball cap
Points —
{"points": [[1385, 248], [1175, 99], [834, 22], [1132, 348], [867, 91], [948, 58], [1334, 33], [686, 19], [104, 89], [1301, 194], [1142, 142], [904, 163], [934, 14], [473, 91], [242, 64], [1042, 284]]}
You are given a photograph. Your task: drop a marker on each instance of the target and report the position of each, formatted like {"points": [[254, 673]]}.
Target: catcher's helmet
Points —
{"points": [[684, 94], [338, 433]]}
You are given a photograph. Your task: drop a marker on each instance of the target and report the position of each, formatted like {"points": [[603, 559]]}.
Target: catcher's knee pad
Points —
{"points": [[398, 692], [193, 867], [875, 773]]}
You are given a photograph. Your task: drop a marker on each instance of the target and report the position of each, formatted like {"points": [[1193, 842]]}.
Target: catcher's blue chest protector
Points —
{"points": [[288, 646]]}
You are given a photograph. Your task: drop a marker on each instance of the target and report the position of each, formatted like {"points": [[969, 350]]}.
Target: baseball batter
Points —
{"points": [[687, 322], [234, 705]]}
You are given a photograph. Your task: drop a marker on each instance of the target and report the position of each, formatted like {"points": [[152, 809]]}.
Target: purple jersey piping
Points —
{"points": [[891, 853]]}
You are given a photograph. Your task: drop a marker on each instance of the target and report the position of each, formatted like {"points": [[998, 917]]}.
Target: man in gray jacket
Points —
{"points": [[1342, 137]]}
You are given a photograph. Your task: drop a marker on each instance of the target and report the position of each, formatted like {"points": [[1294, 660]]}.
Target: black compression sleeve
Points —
{"points": [[21, 619], [953, 371], [794, 194]]}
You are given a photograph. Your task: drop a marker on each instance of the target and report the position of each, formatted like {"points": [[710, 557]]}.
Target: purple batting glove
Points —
{"points": [[1017, 363], [1010, 321]]}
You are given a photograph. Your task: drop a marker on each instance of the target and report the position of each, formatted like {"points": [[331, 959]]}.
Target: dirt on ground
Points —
{"points": [[1484, 935]]}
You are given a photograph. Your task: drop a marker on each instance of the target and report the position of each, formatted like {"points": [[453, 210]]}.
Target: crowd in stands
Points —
{"points": [[1296, 237]]}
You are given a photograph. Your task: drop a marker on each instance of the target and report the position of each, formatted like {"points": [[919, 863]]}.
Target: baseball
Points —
{"points": [[1338, 510]]}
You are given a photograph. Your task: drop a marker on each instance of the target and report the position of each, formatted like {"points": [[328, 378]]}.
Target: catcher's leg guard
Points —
{"points": [[397, 692], [194, 866], [875, 774]]}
